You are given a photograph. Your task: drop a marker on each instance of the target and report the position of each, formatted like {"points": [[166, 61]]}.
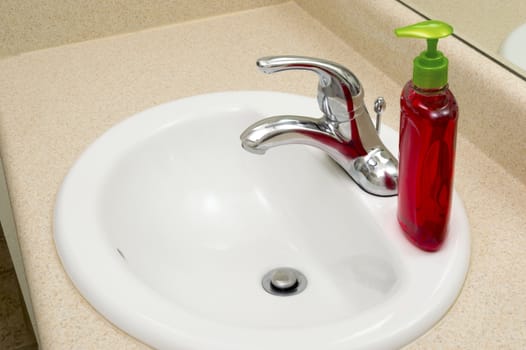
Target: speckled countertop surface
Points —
{"points": [[55, 102]]}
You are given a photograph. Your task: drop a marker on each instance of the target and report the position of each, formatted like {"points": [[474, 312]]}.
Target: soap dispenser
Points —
{"points": [[428, 125]]}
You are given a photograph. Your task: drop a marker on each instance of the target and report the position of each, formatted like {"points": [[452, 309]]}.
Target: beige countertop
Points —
{"points": [[55, 102]]}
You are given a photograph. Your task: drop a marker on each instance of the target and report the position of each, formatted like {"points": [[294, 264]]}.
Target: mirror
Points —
{"points": [[483, 25]]}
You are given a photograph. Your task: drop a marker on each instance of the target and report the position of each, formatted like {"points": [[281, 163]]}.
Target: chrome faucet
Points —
{"points": [[345, 131]]}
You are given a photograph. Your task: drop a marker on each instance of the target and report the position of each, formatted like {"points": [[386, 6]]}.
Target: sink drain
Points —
{"points": [[284, 281]]}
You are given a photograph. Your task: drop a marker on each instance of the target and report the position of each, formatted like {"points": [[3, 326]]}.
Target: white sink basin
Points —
{"points": [[167, 227]]}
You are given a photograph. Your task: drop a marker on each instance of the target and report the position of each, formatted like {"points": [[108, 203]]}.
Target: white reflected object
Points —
{"points": [[514, 47]]}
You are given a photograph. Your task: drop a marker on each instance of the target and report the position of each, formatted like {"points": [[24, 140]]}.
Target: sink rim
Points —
{"points": [[104, 300]]}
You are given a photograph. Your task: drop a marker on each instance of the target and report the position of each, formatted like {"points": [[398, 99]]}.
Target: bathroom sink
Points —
{"points": [[167, 227]]}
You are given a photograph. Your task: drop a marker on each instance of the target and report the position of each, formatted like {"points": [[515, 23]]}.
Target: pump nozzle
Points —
{"points": [[430, 68], [426, 30]]}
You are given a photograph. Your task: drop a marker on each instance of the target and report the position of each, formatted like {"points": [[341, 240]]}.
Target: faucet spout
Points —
{"points": [[289, 129]]}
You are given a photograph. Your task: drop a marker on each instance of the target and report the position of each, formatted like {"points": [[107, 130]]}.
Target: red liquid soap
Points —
{"points": [[428, 123]]}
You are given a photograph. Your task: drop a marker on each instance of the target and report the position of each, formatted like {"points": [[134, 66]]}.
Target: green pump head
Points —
{"points": [[430, 67]]}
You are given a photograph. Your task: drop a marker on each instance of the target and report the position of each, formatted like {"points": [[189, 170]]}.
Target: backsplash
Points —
{"points": [[31, 25]]}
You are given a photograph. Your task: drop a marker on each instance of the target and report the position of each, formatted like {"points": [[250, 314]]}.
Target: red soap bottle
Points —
{"points": [[428, 124]]}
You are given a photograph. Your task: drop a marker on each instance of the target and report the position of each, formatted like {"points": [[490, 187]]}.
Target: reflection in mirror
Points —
{"points": [[485, 25]]}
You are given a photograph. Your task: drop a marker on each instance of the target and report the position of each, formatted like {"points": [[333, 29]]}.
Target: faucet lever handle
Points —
{"points": [[379, 109], [339, 91]]}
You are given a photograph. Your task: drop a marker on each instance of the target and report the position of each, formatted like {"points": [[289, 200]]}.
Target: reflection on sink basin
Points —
{"points": [[167, 227]]}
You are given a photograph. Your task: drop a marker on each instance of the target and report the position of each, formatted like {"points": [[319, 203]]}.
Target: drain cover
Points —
{"points": [[284, 281]]}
